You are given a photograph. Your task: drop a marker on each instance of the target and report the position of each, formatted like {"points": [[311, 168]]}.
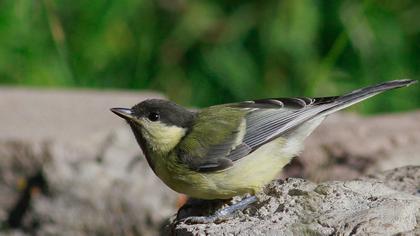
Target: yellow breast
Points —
{"points": [[247, 175]]}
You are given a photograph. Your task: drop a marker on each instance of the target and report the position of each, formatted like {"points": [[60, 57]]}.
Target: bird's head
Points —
{"points": [[158, 125]]}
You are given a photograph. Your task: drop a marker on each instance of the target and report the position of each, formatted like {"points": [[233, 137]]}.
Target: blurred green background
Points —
{"points": [[206, 52]]}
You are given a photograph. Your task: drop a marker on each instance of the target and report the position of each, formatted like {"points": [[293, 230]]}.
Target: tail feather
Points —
{"points": [[375, 89], [305, 119], [359, 95]]}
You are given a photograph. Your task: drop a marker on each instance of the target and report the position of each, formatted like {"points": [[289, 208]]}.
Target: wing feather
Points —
{"points": [[264, 120]]}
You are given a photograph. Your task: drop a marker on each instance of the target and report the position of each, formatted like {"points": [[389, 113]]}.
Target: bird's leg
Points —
{"points": [[222, 214], [198, 207]]}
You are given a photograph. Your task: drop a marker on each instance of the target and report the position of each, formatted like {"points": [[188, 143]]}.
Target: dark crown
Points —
{"points": [[164, 111]]}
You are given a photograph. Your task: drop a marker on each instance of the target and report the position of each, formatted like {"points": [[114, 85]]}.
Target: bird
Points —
{"points": [[231, 149]]}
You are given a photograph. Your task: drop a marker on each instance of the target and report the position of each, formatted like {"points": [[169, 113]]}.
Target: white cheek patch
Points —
{"points": [[161, 137]]}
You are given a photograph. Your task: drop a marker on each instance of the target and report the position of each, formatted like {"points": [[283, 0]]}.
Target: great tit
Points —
{"points": [[231, 149]]}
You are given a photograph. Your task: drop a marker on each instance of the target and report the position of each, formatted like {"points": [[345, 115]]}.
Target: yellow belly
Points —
{"points": [[247, 175]]}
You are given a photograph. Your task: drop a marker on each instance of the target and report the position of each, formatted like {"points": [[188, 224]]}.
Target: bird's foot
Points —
{"points": [[222, 214]]}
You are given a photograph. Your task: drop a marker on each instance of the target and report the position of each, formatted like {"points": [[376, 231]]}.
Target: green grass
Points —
{"points": [[206, 52]]}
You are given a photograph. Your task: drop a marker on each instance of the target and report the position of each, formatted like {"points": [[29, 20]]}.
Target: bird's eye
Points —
{"points": [[153, 116]]}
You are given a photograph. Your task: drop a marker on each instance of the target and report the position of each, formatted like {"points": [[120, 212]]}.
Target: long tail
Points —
{"points": [[341, 102], [314, 110]]}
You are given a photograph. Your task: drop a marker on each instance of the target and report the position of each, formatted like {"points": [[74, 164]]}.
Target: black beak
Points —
{"points": [[124, 113]]}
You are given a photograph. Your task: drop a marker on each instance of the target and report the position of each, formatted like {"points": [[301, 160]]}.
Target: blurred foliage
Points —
{"points": [[206, 52]]}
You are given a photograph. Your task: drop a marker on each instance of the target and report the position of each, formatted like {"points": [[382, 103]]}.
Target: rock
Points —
{"points": [[114, 193], [68, 166], [61, 115], [347, 146], [372, 205], [405, 179]]}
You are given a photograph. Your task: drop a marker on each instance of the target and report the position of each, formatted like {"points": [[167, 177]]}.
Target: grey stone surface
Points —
{"points": [[346, 146], [374, 205], [97, 180], [64, 115], [114, 193]]}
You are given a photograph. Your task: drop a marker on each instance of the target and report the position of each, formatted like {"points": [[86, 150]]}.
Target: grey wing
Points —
{"points": [[269, 118], [265, 120]]}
